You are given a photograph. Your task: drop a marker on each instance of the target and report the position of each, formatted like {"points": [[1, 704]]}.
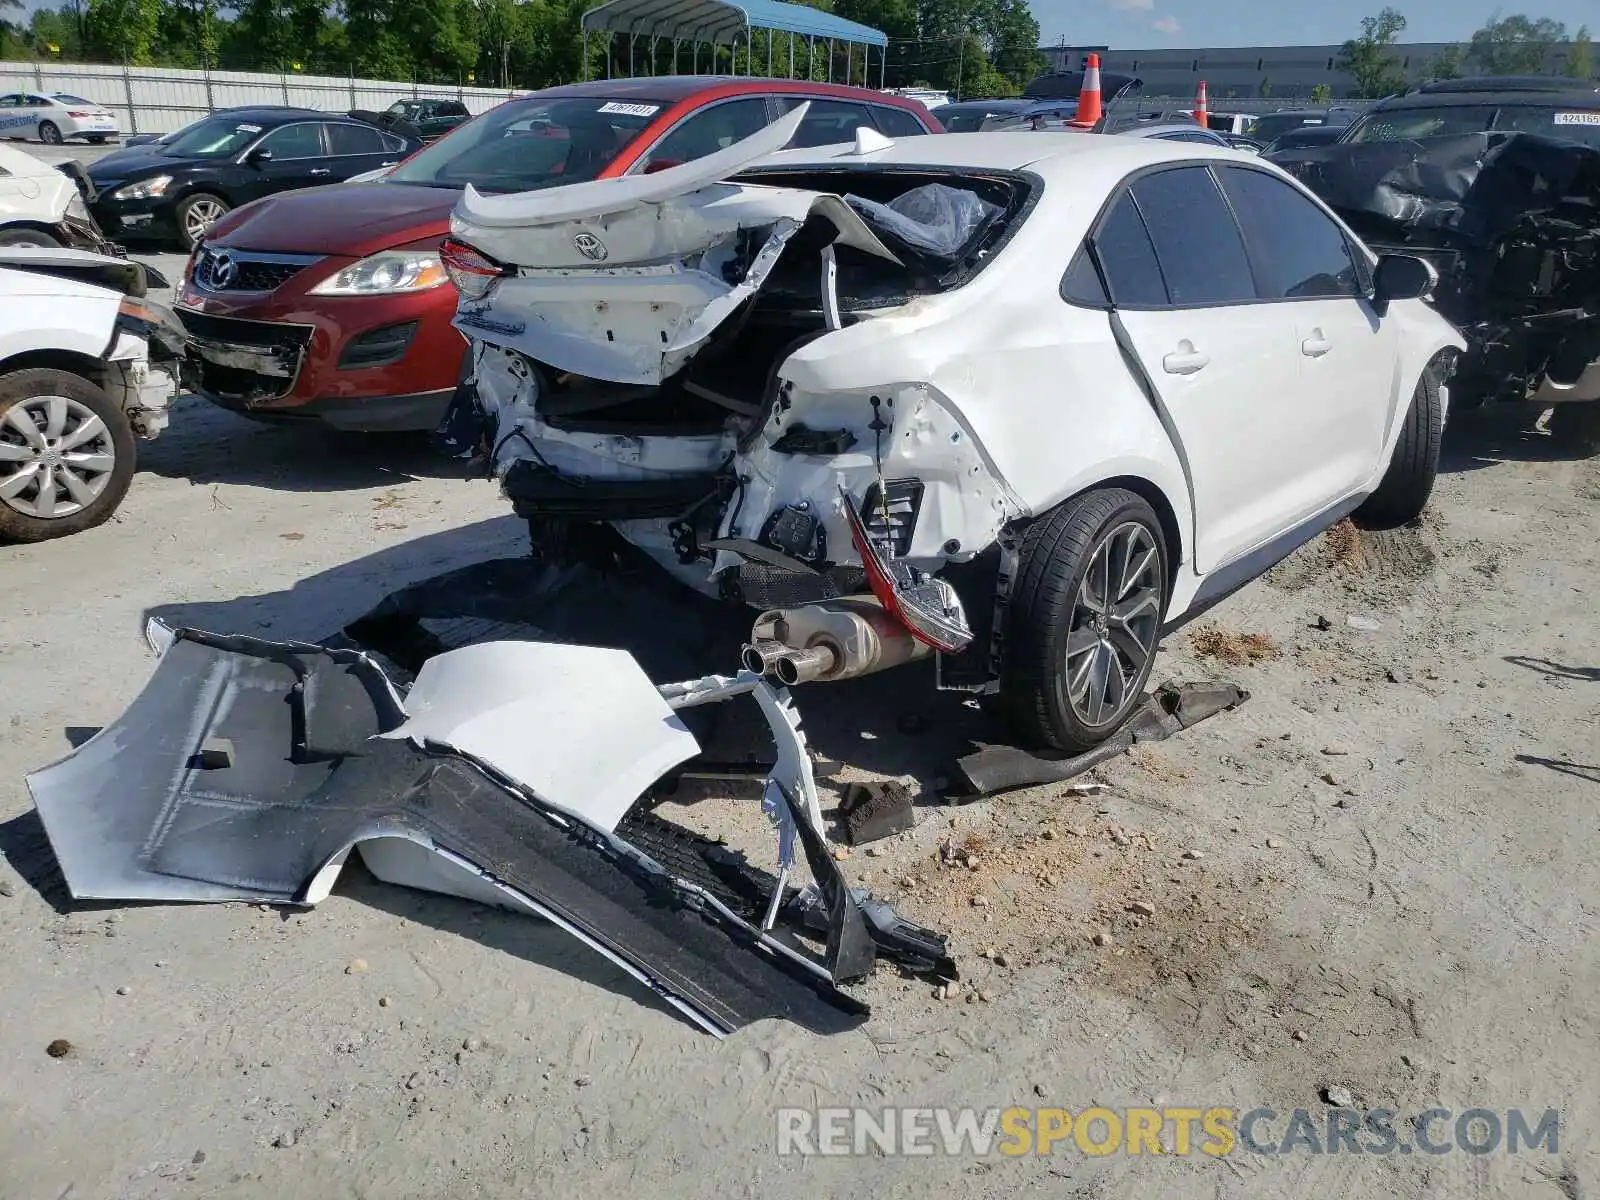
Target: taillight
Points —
{"points": [[78, 116], [474, 274], [929, 608]]}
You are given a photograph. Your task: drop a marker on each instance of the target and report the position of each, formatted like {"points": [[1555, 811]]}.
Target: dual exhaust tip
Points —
{"points": [[837, 639]]}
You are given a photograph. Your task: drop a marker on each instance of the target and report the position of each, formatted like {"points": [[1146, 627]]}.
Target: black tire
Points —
{"points": [[1576, 426], [1403, 492], [29, 237], [49, 133], [19, 387], [186, 206], [95, 139], [1056, 553]]}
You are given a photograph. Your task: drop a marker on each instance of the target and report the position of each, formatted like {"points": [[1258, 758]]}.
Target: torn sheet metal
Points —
{"points": [[583, 728], [134, 815], [1170, 709]]}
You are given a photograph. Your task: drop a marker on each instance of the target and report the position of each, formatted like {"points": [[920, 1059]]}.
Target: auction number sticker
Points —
{"points": [[1583, 118], [632, 110]]}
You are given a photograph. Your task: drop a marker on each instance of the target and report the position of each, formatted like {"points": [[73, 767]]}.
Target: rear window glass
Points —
{"points": [[1404, 124], [897, 122], [64, 98]]}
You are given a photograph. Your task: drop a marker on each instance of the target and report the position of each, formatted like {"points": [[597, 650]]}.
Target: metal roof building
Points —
{"points": [[722, 22]]}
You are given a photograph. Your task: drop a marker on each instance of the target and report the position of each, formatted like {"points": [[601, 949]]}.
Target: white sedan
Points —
{"points": [[1025, 402], [53, 117]]}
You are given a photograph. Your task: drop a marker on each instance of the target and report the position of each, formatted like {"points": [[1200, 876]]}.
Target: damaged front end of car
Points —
{"points": [[730, 376], [1511, 223]]}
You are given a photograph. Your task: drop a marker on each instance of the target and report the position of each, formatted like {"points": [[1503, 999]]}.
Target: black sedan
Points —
{"points": [[179, 188]]}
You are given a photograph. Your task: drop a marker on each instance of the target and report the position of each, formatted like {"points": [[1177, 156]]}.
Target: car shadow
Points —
{"points": [[207, 445], [1476, 438], [322, 604]]}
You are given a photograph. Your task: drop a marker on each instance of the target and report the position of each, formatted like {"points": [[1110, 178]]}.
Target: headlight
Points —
{"points": [[145, 189], [388, 274], [77, 208]]}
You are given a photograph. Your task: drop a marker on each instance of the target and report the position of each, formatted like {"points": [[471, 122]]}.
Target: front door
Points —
{"points": [[1305, 265], [295, 158]]}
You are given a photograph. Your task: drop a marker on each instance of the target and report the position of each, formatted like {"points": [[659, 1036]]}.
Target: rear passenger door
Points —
{"points": [[1307, 269], [1224, 368], [353, 149]]}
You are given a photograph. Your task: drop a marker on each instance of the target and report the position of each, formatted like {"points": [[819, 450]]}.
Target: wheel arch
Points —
{"points": [[1154, 495], [74, 363]]}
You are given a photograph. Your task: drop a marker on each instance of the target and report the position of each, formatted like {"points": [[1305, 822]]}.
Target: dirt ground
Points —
{"points": [[1377, 876]]}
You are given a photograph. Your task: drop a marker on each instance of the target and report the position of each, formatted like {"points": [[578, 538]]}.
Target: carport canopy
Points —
{"points": [[724, 21]]}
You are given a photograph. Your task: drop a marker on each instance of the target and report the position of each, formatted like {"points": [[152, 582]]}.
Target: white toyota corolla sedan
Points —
{"points": [[1022, 401], [53, 117]]}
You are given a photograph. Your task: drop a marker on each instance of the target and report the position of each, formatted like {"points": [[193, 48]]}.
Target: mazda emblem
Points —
{"points": [[590, 246], [223, 270]]}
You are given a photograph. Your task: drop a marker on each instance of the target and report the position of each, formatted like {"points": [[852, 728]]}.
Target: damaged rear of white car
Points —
{"points": [[893, 397]]}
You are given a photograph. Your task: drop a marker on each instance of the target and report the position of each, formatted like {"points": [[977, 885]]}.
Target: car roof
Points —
{"points": [[275, 114], [1078, 155], [1505, 92], [669, 89], [1157, 131], [1009, 104]]}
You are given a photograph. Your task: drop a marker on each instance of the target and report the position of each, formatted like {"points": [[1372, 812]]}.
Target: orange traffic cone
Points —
{"points": [[1201, 113], [1089, 108]]}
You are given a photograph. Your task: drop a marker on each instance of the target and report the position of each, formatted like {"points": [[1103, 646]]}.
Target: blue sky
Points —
{"points": [[1148, 24]]}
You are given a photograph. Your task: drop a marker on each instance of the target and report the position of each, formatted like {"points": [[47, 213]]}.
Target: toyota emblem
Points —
{"points": [[590, 246]]}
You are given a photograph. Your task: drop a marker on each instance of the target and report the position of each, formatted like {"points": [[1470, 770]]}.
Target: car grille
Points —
{"points": [[241, 363], [222, 269]]}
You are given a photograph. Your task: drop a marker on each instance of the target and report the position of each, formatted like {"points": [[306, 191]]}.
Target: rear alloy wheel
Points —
{"points": [[1576, 426], [197, 214], [1084, 620], [49, 134], [66, 455]]}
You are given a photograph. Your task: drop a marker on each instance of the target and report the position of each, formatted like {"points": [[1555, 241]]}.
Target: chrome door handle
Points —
{"points": [[1316, 345], [1185, 361], [320, 171], [390, 163]]}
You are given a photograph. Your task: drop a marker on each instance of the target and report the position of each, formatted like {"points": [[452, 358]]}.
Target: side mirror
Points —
{"points": [[1402, 277], [259, 156]]}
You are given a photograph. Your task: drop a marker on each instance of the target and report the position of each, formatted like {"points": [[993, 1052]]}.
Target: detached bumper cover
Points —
{"points": [[247, 770]]}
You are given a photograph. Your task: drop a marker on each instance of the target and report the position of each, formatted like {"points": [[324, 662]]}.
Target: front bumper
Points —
{"points": [[135, 218], [284, 356]]}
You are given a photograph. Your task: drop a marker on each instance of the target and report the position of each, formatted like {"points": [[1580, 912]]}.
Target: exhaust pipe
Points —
{"points": [[837, 639]]}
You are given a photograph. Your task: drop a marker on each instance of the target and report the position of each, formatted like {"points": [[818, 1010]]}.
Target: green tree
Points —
{"points": [[1515, 45], [1370, 58], [122, 29], [1580, 56], [1265, 90], [1444, 65], [1321, 94]]}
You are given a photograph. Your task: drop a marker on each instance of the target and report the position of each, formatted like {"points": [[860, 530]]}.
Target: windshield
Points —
{"points": [[538, 144], [1403, 124], [215, 137], [403, 108]]}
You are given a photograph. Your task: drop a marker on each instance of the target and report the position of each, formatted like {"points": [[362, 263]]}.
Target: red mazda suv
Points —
{"points": [[330, 304]]}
